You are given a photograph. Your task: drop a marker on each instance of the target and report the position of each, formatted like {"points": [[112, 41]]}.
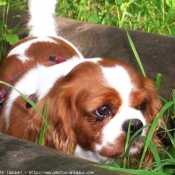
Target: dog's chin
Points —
{"points": [[136, 147], [112, 152]]}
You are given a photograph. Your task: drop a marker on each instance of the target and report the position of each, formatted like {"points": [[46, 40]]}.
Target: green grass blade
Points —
{"points": [[46, 124], [167, 162], [131, 171], [134, 137], [28, 100], [167, 154], [136, 54], [173, 97], [158, 81], [155, 153], [44, 128], [172, 139], [127, 144], [25, 98], [152, 129]]}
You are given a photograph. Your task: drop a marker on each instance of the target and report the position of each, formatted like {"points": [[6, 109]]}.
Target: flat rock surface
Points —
{"points": [[28, 158]]}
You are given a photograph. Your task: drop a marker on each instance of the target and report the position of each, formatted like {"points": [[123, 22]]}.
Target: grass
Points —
{"points": [[136, 54], [156, 16], [8, 35]]}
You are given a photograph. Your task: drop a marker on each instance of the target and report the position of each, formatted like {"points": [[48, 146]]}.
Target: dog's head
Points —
{"points": [[90, 108]]}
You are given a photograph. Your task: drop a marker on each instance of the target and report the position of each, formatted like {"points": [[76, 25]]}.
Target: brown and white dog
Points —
{"points": [[89, 101]]}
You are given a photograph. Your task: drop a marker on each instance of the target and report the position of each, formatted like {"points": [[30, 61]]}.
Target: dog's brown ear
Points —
{"points": [[59, 118], [154, 104]]}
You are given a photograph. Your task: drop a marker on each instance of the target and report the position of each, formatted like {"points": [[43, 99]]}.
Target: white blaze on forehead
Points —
{"points": [[118, 78]]}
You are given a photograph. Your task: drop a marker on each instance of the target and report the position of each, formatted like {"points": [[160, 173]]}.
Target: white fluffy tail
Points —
{"points": [[42, 22]]}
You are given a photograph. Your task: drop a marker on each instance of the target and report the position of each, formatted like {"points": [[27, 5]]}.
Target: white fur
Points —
{"points": [[91, 155], [42, 22], [120, 80]]}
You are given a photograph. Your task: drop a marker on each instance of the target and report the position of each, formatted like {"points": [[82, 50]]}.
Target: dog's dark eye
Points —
{"points": [[142, 106], [103, 111]]}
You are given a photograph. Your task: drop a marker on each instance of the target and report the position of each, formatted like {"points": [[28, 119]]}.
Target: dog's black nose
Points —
{"points": [[136, 124]]}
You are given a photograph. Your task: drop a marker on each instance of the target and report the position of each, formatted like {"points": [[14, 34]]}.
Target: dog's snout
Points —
{"points": [[135, 125]]}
